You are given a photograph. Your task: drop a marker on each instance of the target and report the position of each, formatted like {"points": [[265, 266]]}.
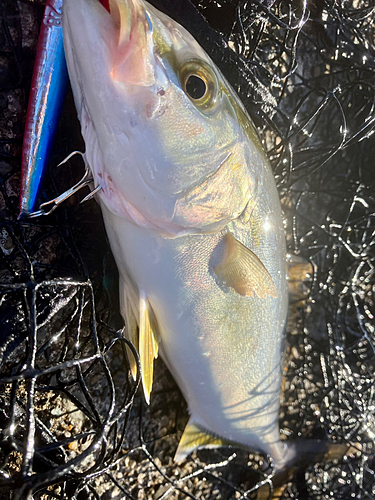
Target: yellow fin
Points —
{"points": [[243, 271], [193, 438], [148, 344], [300, 275], [131, 329], [130, 314]]}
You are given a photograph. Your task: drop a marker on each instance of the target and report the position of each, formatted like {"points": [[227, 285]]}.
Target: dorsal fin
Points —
{"points": [[243, 271]]}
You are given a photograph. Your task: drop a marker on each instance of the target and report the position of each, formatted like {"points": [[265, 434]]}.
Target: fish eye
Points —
{"points": [[195, 87], [199, 83]]}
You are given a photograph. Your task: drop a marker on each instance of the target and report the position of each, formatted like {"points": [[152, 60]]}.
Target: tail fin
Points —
{"points": [[300, 454]]}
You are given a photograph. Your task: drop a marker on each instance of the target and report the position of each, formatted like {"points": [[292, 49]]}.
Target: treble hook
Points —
{"points": [[85, 181]]}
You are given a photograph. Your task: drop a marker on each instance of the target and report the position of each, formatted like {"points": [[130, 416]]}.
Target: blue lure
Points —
{"points": [[47, 94]]}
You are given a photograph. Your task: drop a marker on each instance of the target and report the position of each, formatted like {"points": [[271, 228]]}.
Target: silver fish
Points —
{"points": [[192, 215]]}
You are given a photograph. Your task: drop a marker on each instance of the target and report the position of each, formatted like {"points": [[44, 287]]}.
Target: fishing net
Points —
{"points": [[72, 423]]}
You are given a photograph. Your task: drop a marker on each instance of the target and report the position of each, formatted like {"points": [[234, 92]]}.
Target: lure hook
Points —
{"points": [[83, 182]]}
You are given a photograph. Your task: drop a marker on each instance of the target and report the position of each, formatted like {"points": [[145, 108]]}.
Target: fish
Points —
{"points": [[193, 218]]}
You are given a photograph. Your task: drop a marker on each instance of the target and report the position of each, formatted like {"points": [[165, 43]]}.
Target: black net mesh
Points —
{"points": [[72, 423]]}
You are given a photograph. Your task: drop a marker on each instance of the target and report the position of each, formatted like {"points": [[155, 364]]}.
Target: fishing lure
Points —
{"points": [[47, 94], [48, 89]]}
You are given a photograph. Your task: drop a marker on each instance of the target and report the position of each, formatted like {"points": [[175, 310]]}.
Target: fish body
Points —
{"points": [[49, 83], [192, 215]]}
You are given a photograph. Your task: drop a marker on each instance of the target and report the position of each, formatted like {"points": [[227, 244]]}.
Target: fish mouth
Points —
{"points": [[133, 58]]}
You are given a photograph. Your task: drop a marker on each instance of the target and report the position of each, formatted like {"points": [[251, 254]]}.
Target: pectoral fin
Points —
{"points": [[148, 344], [193, 438], [243, 271]]}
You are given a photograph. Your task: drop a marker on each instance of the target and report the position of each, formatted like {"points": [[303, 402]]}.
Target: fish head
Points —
{"points": [[168, 141]]}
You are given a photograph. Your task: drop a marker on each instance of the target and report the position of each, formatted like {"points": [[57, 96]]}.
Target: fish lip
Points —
{"points": [[133, 58], [119, 10]]}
